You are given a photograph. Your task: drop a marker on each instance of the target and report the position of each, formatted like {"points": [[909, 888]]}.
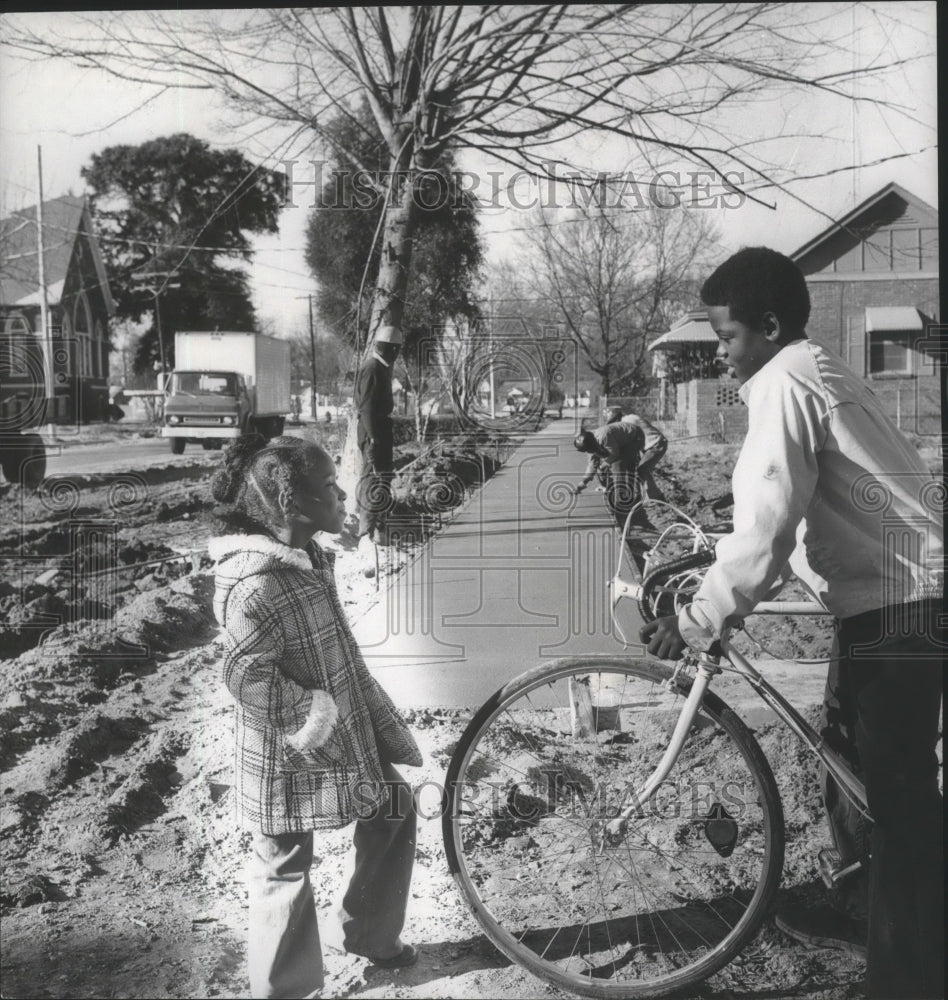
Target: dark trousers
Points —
{"points": [[374, 497], [284, 954], [622, 491], [650, 458], [881, 712]]}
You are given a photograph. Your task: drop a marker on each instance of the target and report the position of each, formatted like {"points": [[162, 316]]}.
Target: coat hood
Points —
{"points": [[258, 548], [240, 556]]}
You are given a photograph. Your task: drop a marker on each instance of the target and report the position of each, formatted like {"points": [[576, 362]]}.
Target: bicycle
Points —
{"points": [[573, 826]]}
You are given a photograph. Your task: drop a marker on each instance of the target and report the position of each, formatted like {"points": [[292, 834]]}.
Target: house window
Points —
{"points": [[889, 352], [101, 349], [905, 249], [82, 324], [851, 260], [929, 241], [17, 325], [876, 253]]}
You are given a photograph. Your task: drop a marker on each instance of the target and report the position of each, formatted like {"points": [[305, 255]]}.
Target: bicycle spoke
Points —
{"points": [[542, 780]]}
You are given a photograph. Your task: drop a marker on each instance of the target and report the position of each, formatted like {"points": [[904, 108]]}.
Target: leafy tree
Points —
{"points": [[173, 215], [344, 251], [707, 86], [673, 80]]}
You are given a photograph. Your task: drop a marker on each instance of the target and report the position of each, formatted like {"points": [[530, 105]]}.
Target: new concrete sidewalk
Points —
{"points": [[512, 580]]}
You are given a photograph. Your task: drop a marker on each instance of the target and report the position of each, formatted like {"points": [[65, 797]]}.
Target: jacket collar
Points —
{"points": [[771, 366], [225, 546]]}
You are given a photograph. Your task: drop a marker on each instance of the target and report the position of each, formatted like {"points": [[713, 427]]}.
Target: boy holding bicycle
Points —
{"points": [[826, 484]]}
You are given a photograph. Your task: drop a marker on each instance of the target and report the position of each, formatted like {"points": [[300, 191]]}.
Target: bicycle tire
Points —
{"points": [[662, 575], [527, 865]]}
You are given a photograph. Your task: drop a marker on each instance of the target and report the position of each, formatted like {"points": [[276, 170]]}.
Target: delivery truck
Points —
{"points": [[224, 385]]}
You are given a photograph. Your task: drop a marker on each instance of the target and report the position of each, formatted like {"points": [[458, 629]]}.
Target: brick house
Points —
{"points": [[874, 291], [874, 288], [78, 298]]}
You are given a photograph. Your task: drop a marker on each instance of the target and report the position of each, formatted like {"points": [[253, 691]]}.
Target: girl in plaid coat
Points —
{"points": [[316, 736]]}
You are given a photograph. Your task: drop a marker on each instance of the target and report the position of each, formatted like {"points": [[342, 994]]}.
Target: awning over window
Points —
{"points": [[691, 329], [885, 318]]}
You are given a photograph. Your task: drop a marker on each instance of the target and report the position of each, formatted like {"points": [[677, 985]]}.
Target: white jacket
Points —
{"points": [[825, 481]]}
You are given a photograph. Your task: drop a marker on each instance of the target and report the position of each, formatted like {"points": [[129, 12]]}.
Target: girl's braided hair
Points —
{"points": [[254, 474]]}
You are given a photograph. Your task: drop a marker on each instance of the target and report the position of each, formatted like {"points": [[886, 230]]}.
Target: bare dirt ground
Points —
{"points": [[122, 868]]}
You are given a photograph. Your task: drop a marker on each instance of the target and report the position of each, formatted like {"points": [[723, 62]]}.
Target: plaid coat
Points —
{"points": [[286, 635]]}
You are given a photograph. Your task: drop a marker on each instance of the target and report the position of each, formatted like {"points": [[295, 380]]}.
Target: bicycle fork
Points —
{"points": [[615, 830]]}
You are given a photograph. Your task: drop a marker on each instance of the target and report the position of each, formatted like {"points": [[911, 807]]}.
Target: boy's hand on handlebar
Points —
{"points": [[662, 638]]}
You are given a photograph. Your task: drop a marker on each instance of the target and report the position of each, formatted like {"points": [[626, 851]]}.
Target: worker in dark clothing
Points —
{"points": [[374, 403], [620, 446], [656, 444]]}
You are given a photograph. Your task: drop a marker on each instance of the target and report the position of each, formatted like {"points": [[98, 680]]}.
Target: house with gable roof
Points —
{"points": [[874, 285], [873, 278], [78, 297]]}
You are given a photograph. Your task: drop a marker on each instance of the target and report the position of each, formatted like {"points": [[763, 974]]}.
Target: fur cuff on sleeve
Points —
{"points": [[320, 722]]}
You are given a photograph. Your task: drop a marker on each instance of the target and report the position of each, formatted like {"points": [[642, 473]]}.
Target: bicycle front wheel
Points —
{"points": [[537, 775]]}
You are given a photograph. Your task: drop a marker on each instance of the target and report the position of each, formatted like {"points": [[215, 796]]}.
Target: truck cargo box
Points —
{"points": [[263, 361]]}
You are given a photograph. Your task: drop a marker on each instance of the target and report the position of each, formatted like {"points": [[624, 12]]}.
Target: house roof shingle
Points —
{"points": [[853, 218], [63, 220]]}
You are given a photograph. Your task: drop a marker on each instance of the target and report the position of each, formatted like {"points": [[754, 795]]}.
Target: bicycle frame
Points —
{"points": [[707, 666]]}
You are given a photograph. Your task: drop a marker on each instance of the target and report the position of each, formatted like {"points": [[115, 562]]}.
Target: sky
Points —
{"points": [[72, 113]]}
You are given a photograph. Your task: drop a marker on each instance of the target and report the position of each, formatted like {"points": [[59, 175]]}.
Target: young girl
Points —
{"points": [[316, 736]]}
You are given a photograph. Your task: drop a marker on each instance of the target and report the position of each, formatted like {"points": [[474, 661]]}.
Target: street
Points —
{"points": [[66, 458]]}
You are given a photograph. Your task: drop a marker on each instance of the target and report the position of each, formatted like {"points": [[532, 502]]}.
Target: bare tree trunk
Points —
{"points": [[388, 301], [420, 424]]}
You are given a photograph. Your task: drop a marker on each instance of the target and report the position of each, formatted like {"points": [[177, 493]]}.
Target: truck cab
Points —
{"points": [[226, 384], [205, 407]]}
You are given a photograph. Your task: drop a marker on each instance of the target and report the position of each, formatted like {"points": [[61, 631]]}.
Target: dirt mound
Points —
{"points": [[87, 573], [141, 796], [123, 868], [78, 664], [95, 737]]}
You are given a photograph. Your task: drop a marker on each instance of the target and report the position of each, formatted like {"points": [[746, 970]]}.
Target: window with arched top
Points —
{"points": [[82, 329], [17, 325], [101, 349]]}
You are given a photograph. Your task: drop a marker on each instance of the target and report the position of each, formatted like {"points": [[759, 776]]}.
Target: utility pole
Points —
{"points": [[312, 350], [161, 339], [47, 339], [490, 349], [141, 278]]}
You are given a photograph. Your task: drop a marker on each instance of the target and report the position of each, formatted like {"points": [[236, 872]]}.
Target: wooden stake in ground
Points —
{"points": [[587, 718]]}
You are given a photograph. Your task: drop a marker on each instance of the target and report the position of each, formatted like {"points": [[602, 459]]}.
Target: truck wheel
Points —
{"points": [[212, 445], [24, 462], [177, 446], [268, 427]]}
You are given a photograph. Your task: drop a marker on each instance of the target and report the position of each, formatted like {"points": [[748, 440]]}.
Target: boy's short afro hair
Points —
{"points": [[758, 280]]}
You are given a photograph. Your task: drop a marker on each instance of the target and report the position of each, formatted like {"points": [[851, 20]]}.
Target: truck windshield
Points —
{"points": [[204, 384]]}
